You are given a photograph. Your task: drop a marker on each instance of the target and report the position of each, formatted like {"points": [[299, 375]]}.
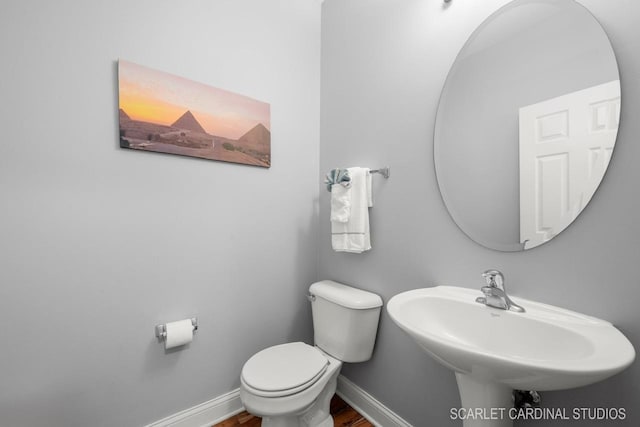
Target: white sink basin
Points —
{"points": [[545, 348]]}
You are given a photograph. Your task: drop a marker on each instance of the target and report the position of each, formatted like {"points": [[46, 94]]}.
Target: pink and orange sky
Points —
{"points": [[158, 97]]}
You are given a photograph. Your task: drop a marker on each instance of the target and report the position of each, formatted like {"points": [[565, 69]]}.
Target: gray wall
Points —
{"points": [[98, 244], [383, 65]]}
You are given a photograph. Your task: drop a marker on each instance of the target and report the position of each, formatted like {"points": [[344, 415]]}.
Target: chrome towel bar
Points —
{"points": [[385, 171]]}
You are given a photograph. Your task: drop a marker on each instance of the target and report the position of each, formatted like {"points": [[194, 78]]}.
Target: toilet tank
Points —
{"points": [[345, 320]]}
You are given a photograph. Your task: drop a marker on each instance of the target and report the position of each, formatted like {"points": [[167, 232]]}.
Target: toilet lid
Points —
{"points": [[284, 368]]}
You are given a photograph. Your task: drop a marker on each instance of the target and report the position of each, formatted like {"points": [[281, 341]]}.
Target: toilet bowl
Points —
{"points": [[291, 385], [302, 398]]}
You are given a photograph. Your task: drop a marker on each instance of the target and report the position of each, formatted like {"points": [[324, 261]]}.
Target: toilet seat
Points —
{"points": [[283, 370]]}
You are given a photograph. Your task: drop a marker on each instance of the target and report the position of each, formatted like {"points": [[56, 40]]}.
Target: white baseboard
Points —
{"points": [[367, 405], [222, 407], [205, 414]]}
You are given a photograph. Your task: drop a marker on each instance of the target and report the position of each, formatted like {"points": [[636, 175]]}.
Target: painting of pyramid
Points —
{"points": [[165, 113]]}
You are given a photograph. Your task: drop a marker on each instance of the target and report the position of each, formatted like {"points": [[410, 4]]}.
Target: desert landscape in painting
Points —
{"points": [[169, 114]]}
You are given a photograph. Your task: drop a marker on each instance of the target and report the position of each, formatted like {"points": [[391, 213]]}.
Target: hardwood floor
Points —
{"points": [[343, 416]]}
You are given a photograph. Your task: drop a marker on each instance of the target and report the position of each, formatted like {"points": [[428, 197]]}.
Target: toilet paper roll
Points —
{"points": [[178, 333]]}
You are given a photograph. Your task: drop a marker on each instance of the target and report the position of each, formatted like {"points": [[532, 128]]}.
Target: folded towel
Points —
{"points": [[353, 235], [337, 176], [340, 203]]}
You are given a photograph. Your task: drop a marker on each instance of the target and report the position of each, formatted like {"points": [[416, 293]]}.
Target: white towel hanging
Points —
{"points": [[353, 235], [340, 203]]}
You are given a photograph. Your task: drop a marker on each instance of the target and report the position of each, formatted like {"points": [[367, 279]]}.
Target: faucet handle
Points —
{"points": [[494, 278]]}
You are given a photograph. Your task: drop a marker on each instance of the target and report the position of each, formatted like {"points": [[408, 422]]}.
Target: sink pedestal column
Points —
{"points": [[486, 404]]}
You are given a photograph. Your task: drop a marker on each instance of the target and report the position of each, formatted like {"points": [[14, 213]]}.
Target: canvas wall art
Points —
{"points": [[165, 113]]}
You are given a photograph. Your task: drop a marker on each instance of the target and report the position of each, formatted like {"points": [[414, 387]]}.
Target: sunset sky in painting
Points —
{"points": [[154, 96]]}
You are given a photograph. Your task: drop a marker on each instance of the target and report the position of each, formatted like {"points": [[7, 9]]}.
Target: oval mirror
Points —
{"points": [[527, 122]]}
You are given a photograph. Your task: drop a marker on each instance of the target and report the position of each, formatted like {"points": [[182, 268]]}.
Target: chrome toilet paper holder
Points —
{"points": [[161, 330]]}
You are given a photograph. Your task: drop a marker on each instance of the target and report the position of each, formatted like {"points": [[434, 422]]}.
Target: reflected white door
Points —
{"points": [[565, 148]]}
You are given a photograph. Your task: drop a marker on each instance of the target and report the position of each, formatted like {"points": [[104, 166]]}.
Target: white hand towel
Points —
{"points": [[353, 235], [340, 203], [369, 192]]}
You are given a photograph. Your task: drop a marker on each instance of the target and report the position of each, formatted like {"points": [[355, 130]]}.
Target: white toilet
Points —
{"points": [[291, 385]]}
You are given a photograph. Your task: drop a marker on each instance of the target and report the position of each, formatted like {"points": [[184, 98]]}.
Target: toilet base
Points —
{"points": [[316, 415], [293, 422]]}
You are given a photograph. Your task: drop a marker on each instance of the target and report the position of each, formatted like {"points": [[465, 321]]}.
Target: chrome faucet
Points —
{"points": [[494, 293]]}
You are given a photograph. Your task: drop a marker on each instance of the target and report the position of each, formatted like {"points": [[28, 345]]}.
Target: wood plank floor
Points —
{"points": [[343, 416]]}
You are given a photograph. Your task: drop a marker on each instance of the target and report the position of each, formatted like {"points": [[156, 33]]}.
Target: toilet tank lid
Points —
{"points": [[344, 295]]}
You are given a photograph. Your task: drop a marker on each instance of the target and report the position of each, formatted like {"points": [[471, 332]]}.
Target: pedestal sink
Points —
{"points": [[494, 351]]}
